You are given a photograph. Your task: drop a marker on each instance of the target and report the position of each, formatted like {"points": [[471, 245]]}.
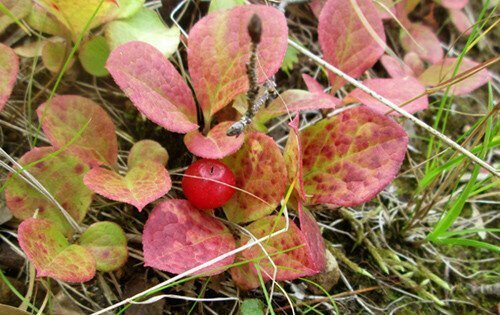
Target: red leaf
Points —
{"points": [[292, 101], [143, 184], [443, 71], [425, 43], [397, 90], [178, 237], [350, 158], [316, 7], [66, 115], [312, 85], [414, 63], [215, 145], [386, 8], [395, 67], [315, 243], [454, 4], [9, 66], [461, 21], [62, 176], [259, 170], [53, 256], [154, 86], [345, 40], [219, 48], [293, 158], [287, 250]]}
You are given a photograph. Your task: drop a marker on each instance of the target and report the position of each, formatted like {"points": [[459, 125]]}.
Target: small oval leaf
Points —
{"points": [[154, 86], [147, 150], [350, 158], [260, 173], [216, 145], [143, 184], [178, 237], [93, 56]]}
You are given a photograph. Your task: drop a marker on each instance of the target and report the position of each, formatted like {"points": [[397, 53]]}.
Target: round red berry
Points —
{"points": [[203, 190]]}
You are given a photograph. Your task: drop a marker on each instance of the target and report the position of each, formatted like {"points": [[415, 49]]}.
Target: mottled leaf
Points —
{"points": [[62, 176], [106, 241], [54, 56], [145, 26], [66, 115], [147, 150], [9, 67], [397, 90], [293, 158], [444, 70], [396, 68], [288, 250], [143, 184], [453, 4], [93, 56], [244, 275], [260, 171], [292, 101], [75, 14], [219, 48], [178, 237], [314, 240], [461, 21], [346, 42], [216, 144], [18, 8], [53, 256], [350, 158], [424, 42], [154, 86]]}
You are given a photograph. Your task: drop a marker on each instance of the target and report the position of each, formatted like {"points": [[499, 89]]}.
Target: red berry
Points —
{"points": [[206, 193]]}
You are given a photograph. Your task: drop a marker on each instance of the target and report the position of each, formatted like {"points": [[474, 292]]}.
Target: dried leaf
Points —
{"points": [[178, 237], [397, 90], [106, 241], [443, 71], [62, 176], [53, 256], [425, 43], [350, 158], [146, 26], [65, 115], [9, 67], [147, 150], [154, 86], [221, 37], [216, 144], [345, 40], [143, 184], [259, 170]]}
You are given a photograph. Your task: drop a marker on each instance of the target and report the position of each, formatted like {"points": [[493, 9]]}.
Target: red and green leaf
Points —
{"points": [[53, 256], [287, 250], [422, 40], [143, 184], [315, 243], [397, 90], [350, 158], [106, 241], [219, 48], [66, 115], [178, 237], [147, 150], [292, 101], [9, 67], [215, 145], [154, 86], [444, 70], [62, 176], [346, 41], [260, 173], [293, 158]]}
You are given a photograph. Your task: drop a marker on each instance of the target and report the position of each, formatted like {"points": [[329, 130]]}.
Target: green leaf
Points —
{"points": [[145, 26], [147, 150], [44, 22], [13, 10], [291, 58], [53, 256], [216, 5], [93, 56], [252, 307], [107, 242]]}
